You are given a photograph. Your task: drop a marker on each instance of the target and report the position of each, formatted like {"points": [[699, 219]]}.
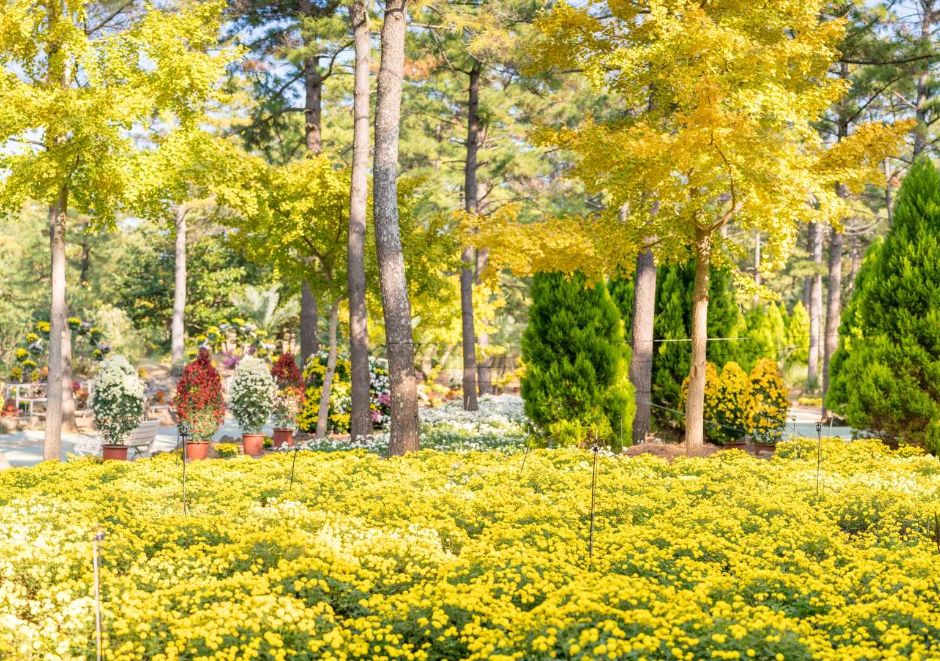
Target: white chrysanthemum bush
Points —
{"points": [[253, 394], [117, 401]]}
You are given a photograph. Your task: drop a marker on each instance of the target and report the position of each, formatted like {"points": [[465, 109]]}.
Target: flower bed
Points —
{"points": [[439, 555]]}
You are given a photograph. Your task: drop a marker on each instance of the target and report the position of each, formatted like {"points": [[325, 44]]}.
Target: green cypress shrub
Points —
{"points": [[797, 335], [766, 335], [575, 386], [888, 374]]}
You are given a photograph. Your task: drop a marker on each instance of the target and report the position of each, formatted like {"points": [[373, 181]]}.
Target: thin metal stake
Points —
{"points": [[818, 454], [593, 488], [524, 455], [99, 537], [292, 464], [185, 510]]}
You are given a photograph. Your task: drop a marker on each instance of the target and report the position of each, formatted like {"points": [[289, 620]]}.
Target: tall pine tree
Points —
{"points": [[575, 385]]}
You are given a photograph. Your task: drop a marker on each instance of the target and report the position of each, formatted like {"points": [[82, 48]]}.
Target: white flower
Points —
{"points": [[253, 393], [118, 399]]}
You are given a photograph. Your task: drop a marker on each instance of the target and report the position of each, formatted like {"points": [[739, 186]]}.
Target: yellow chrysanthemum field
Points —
{"points": [[473, 555]]}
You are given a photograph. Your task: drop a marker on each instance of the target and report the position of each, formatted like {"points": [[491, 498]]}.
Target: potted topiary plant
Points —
{"points": [[199, 404], [289, 400], [253, 394], [117, 404]]}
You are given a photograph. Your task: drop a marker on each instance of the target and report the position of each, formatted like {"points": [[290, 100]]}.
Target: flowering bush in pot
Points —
{"points": [[117, 404], [289, 400], [199, 404], [253, 396]]}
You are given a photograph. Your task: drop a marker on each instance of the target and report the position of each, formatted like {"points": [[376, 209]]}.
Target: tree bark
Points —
{"points": [[833, 309], [309, 342], [695, 401], [177, 332], [468, 255], [52, 445], [68, 397], [361, 416], [395, 303], [485, 364], [323, 412], [923, 91], [313, 91], [815, 305], [641, 364], [313, 97]]}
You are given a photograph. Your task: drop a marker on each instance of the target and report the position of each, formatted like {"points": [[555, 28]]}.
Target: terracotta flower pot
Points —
{"points": [[253, 444], [283, 436], [114, 452], [197, 450]]}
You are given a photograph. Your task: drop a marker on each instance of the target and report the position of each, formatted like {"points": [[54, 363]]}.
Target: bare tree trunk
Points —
{"points": [[313, 96], [468, 256], [468, 344], [309, 342], [177, 332], [68, 397], [323, 412], [695, 402], [833, 309], [361, 417], [855, 260], [641, 364], [395, 303], [923, 91], [485, 364], [815, 304], [52, 445]]}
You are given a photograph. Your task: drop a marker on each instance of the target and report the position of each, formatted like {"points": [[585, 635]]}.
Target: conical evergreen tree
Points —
{"points": [[575, 386], [889, 380]]}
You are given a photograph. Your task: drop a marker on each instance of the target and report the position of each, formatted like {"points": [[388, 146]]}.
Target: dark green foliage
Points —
{"points": [[621, 291], [143, 282], [575, 386], [886, 374]]}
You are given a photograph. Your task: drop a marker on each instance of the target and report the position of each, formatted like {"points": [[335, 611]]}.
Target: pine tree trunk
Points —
{"points": [[360, 417], [922, 102], [641, 364], [485, 364], [395, 303], [833, 310], [468, 336], [468, 255], [309, 342], [52, 445], [815, 304], [323, 412], [177, 332], [313, 96], [695, 402]]}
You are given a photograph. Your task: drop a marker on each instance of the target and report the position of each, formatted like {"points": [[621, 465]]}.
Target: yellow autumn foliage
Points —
{"points": [[445, 555]]}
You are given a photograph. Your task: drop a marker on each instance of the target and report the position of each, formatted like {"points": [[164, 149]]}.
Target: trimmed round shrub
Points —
{"points": [[199, 401], [117, 402], [253, 394]]}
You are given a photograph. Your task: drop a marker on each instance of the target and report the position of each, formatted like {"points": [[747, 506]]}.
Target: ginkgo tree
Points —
{"points": [[81, 85], [716, 126]]}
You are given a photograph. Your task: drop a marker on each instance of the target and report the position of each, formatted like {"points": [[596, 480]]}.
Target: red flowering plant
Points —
{"points": [[198, 400], [290, 391]]}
